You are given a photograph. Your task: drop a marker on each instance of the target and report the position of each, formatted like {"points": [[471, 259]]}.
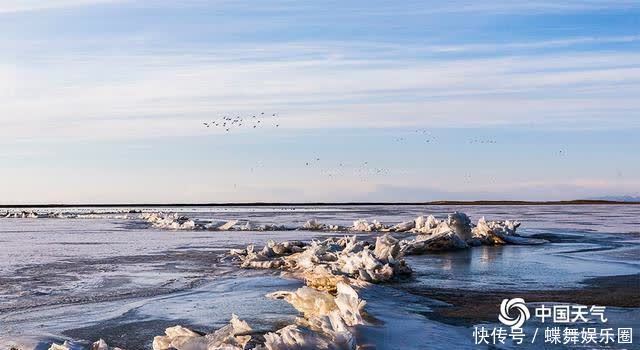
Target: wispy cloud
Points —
{"points": [[165, 94], [544, 44], [16, 6], [501, 6], [432, 7]]}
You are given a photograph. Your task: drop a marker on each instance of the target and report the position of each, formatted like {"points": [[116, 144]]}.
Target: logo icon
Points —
{"points": [[513, 312]]}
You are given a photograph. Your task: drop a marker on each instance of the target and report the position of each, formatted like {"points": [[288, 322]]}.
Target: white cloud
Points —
{"points": [[14, 6], [390, 9], [143, 95]]}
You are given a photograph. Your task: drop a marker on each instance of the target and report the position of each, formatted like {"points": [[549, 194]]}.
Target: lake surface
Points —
{"points": [[115, 277]]}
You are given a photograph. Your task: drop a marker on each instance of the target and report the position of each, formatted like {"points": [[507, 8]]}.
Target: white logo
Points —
{"points": [[510, 306]]}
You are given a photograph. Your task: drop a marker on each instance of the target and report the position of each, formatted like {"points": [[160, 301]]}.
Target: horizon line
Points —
{"points": [[281, 204]]}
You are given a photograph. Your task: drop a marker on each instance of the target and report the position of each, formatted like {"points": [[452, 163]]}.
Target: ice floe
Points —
{"points": [[457, 232], [174, 221], [98, 345], [325, 324], [313, 225], [316, 303], [232, 336], [76, 214], [332, 257], [500, 232], [362, 225], [170, 221], [28, 214]]}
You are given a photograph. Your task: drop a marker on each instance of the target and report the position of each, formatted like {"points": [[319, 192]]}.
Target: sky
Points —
{"points": [[103, 101]]}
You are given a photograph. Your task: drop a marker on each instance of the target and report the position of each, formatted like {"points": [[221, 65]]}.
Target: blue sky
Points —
{"points": [[103, 100]]}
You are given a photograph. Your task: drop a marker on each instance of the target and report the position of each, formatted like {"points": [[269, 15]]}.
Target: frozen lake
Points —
{"points": [[111, 275]]}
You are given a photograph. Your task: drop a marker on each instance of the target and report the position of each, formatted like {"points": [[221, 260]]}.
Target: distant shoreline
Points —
{"points": [[327, 204]]}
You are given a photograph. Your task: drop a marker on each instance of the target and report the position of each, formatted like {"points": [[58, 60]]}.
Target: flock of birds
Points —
{"points": [[360, 170], [254, 121], [428, 137], [482, 141], [424, 134]]}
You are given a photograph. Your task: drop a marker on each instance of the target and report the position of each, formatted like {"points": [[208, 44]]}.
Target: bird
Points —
{"points": [[229, 122]]}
